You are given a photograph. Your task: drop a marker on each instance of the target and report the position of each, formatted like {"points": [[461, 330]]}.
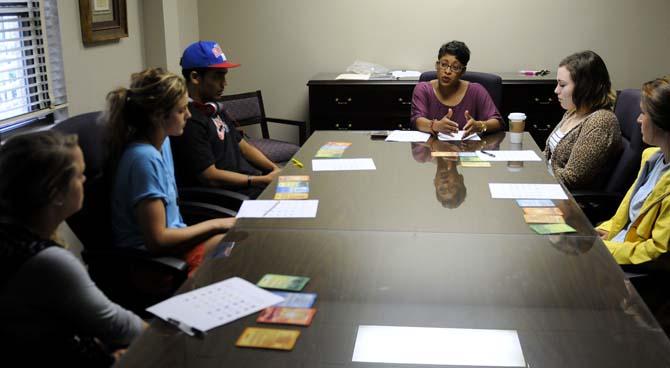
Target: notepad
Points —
{"points": [[458, 136], [407, 136], [278, 209], [527, 191], [216, 304], [343, 164]]}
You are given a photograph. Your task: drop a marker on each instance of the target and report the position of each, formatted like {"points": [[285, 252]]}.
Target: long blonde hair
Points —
{"points": [[132, 113]]}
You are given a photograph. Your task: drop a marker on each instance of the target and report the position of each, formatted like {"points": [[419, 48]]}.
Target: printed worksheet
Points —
{"points": [[343, 164], [278, 209], [407, 136], [527, 191]]}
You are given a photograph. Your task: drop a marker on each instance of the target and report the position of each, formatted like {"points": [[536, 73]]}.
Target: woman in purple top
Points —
{"points": [[447, 104]]}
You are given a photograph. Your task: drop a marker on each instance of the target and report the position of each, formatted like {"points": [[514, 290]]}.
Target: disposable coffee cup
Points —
{"points": [[517, 124]]}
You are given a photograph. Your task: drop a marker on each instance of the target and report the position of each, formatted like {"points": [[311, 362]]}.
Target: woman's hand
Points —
{"points": [[472, 125], [602, 233], [445, 125]]}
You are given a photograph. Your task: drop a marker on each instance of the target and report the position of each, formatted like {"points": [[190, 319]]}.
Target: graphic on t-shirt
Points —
{"points": [[221, 127]]}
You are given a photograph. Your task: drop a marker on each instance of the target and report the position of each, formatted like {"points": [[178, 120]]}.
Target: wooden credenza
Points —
{"points": [[385, 104]]}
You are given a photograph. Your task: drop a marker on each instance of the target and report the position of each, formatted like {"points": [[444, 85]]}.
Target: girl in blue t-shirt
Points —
{"points": [[145, 213]]}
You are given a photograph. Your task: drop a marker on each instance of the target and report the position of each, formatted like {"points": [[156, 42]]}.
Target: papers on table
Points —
{"points": [[527, 155], [351, 76], [214, 305], [407, 136], [458, 136], [343, 164], [527, 191], [406, 74], [278, 209]]}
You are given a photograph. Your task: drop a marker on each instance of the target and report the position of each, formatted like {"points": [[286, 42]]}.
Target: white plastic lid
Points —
{"points": [[517, 116]]}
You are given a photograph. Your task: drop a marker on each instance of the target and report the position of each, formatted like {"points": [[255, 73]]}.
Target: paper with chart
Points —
{"points": [[527, 191], [407, 136], [278, 209], [527, 155], [216, 304], [343, 164], [458, 136]]}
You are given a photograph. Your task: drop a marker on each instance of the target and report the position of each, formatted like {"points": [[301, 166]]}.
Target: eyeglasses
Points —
{"points": [[454, 68]]}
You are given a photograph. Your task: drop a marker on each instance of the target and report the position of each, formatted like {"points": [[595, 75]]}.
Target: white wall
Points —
{"points": [[282, 44], [91, 72]]}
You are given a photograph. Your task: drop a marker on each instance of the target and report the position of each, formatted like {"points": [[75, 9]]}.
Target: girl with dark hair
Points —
{"points": [[48, 302], [145, 213], [448, 104], [585, 142], [639, 231]]}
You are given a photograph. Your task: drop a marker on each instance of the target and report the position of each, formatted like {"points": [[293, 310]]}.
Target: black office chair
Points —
{"points": [[247, 109], [130, 277], [491, 82], [601, 205]]}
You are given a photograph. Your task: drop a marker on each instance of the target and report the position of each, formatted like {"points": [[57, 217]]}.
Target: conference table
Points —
{"points": [[419, 245]]}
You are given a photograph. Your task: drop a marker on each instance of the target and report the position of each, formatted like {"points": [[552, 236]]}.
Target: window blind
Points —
{"points": [[24, 67]]}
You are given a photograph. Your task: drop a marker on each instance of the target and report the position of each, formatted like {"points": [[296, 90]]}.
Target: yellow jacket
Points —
{"points": [[648, 236]]}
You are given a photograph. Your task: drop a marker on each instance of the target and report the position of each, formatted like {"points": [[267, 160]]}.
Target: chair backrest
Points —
{"points": [[492, 83], [627, 110], [92, 224], [247, 109]]}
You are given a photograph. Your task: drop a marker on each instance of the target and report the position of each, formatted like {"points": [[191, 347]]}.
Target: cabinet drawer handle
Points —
{"points": [[403, 102], [342, 101]]}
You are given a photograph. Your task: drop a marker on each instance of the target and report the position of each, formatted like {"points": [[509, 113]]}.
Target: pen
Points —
{"points": [[189, 330], [271, 208], [297, 163], [487, 153]]}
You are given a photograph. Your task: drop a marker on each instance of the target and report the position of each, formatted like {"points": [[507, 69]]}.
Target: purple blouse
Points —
{"points": [[476, 100]]}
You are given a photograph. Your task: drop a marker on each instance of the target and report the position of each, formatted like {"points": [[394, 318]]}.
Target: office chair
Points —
{"points": [[491, 82], [130, 277], [601, 205], [247, 109]]}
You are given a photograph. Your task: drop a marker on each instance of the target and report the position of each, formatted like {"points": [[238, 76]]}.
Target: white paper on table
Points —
{"points": [[406, 74], [216, 304], [407, 136], [527, 191], [343, 164], [278, 209], [458, 136], [526, 155], [352, 76]]}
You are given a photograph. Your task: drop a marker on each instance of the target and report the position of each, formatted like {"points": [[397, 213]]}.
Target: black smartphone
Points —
{"points": [[379, 134]]}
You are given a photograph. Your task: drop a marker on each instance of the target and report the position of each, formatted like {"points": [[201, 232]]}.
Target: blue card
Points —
{"points": [[296, 300], [535, 203]]}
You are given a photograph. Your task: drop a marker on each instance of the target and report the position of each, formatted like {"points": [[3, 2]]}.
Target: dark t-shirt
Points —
{"points": [[207, 141]]}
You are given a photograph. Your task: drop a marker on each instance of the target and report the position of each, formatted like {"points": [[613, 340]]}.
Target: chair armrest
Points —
{"points": [[597, 206], [220, 197], [302, 127], [196, 212], [109, 255]]}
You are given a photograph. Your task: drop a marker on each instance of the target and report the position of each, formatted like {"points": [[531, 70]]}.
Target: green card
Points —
{"points": [[544, 229], [283, 282]]}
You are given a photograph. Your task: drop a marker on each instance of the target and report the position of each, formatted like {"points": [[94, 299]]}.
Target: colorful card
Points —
{"points": [[292, 187], [542, 211], [535, 203], [544, 229], [471, 159], [296, 300], [444, 154], [543, 219], [332, 149], [475, 164], [283, 282], [268, 338], [287, 316]]}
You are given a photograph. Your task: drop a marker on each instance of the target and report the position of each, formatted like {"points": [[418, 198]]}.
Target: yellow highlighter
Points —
{"points": [[297, 163]]}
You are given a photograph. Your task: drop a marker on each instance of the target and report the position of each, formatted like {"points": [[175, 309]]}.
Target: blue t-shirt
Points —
{"points": [[143, 172]]}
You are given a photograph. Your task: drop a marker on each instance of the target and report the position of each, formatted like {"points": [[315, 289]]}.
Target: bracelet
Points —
{"points": [[248, 181], [484, 127]]}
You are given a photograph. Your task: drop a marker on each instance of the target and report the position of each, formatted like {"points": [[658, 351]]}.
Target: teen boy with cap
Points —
{"points": [[211, 151]]}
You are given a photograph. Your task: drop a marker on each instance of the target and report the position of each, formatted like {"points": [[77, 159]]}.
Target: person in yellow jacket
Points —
{"points": [[640, 229]]}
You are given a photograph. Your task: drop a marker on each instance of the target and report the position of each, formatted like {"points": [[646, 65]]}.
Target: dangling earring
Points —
{"points": [[58, 203]]}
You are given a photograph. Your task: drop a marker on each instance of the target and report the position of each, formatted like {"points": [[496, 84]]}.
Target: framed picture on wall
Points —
{"points": [[102, 20]]}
